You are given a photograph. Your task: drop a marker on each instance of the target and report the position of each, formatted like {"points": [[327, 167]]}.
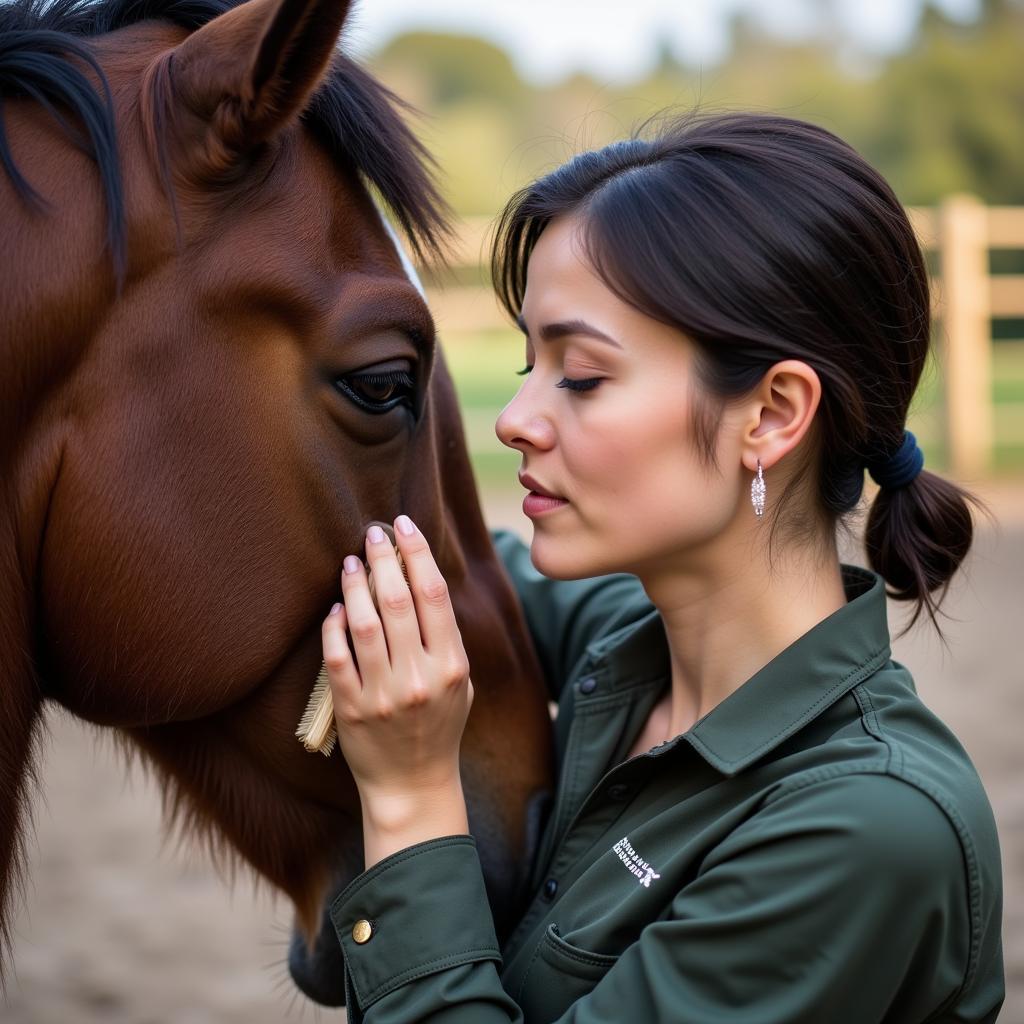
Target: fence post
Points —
{"points": [[965, 314]]}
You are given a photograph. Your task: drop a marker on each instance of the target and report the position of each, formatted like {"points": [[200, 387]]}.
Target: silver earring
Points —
{"points": [[757, 492]]}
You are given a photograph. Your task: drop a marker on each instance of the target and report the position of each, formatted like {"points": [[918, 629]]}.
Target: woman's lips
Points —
{"points": [[535, 504], [538, 501]]}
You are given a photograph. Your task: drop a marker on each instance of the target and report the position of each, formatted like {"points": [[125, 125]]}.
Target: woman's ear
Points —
{"points": [[781, 410]]}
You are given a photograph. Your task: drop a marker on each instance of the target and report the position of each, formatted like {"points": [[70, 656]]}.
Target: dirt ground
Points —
{"points": [[120, 927]]}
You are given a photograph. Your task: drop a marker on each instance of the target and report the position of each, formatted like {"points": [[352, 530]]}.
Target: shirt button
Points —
{"points": [[550, 888], [618, 792], [362, 931], [588, 685]]}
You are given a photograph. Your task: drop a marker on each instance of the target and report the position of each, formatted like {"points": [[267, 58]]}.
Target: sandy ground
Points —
{"points": [[121, 927]]}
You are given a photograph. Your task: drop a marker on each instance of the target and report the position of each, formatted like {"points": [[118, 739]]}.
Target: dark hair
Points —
{"points": [[764, 238], [353, 116]]}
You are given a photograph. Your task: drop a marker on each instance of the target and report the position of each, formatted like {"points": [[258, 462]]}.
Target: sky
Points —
{"points": [[548, 39]]}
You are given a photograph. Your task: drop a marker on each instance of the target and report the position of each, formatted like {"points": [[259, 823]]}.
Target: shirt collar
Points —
{"points": [[795, 687]]}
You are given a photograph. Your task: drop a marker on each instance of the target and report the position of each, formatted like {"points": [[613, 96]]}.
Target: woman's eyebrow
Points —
{"points": [[563, 328]]}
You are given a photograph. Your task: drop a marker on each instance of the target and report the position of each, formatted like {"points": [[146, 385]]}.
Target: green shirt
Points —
{"points": [[818, 848]]}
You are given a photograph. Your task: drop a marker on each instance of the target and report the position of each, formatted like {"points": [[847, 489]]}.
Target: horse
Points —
{"points": [[218, 372]]}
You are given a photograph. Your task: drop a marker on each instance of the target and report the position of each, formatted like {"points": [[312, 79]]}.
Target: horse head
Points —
{"points": [[218, 372]]}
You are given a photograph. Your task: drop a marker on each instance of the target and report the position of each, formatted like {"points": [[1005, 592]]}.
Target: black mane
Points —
{"points": [[352, 115]]}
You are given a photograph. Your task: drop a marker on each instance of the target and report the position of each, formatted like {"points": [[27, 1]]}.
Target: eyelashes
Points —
{"points": [[587, 384], [579, 385], [379, 392]]}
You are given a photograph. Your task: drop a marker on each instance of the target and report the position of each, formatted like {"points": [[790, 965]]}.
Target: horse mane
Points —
{"points": [[353, 116]]}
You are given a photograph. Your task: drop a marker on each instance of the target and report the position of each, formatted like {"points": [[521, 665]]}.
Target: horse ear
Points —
{"points": [[251, 71]]}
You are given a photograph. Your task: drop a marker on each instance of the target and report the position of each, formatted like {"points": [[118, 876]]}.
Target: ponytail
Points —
{"points": [[917, 536]]}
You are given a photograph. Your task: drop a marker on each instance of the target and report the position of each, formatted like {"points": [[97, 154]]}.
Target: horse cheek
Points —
{"points": [[150, 608]]}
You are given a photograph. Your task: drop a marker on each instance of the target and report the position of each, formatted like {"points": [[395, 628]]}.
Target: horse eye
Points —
{"points": [[380, 391]]}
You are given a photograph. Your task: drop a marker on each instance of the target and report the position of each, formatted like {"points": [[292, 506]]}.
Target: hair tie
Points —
{"points": [[900, 468]]}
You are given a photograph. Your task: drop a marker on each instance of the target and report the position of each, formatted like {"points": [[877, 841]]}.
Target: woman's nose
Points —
{"points": [[522, 425]]}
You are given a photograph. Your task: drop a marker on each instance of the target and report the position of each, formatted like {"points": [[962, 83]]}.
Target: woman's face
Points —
{"points": [[621, 453]]}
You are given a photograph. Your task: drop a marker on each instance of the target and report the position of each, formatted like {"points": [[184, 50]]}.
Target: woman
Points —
{"points": [[756, 818]]}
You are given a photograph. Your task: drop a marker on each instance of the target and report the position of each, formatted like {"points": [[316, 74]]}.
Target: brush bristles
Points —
{"points": [[317, 731], [316, 727]]}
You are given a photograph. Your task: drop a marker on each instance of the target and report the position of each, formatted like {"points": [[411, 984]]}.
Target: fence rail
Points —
{"points": [[962, 231]]}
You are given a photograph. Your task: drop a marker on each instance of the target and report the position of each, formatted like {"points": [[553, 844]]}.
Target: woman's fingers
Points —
{"points": [[364, 625], [433, 604], [342, 674], [390, 637], [401, 698], [394, 601]]}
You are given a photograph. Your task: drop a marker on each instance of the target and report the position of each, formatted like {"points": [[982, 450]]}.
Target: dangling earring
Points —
{"points": [[757, 492]]}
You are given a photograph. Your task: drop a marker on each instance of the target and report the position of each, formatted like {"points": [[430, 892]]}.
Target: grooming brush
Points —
{"points": [[316, 730]]}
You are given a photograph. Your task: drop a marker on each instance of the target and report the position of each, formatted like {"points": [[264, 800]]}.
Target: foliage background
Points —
{"points": [[944, 115]]}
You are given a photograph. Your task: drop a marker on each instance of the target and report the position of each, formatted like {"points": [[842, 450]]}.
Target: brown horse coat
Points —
{"points": [[216, 374]]}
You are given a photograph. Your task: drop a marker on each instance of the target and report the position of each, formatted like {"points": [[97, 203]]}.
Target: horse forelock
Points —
{"points": [[354, 117]]}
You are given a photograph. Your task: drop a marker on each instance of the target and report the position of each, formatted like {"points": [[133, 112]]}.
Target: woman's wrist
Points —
{"points": [[394, 821]]}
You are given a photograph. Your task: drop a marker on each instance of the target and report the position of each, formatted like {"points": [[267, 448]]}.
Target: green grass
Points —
{"points": [[1009, 458], [496, 471], [1008, 373], [1008, 391], [1008, 396], [484, 367]]}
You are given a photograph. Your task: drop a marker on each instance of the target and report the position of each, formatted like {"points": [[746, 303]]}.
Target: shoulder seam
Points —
{"points": [[948, 810], [872, 726]]}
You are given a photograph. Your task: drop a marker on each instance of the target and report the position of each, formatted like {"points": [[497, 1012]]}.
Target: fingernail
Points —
{"points": [[335, 608], [351, 564], [404, 524], [375, 535]]}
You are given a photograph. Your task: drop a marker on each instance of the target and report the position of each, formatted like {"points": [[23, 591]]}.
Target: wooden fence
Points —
{"points": [[966, 297], [961, 232]]}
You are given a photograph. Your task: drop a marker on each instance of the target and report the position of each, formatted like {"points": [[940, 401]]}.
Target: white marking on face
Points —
{"points": [[410, 270]]}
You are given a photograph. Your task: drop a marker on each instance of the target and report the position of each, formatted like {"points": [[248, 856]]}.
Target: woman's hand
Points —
{"points": [[402, 692]]}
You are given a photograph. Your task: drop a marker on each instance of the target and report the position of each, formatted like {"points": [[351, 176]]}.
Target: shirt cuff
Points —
{"points": [[417, 912]]}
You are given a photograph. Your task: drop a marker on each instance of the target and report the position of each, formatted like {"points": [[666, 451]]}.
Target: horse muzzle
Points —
{"points": [[319, 972]]}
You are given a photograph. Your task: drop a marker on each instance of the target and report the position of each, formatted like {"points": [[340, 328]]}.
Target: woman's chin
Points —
{"points": [[557, 559]]}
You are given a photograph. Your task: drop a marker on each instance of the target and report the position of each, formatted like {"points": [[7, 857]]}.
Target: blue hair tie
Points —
{"points": [[900, 468]]}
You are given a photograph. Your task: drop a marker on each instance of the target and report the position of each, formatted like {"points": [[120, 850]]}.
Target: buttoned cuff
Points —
{"points": [[417, 912]]}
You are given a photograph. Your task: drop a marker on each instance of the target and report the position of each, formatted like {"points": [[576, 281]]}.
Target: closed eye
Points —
{"points": [[588, 384], [579, 385]]}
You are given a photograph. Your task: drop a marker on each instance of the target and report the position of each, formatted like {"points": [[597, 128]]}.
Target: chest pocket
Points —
{"points": [[558, 975]]}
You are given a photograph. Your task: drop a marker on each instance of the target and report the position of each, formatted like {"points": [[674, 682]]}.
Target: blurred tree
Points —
{"points": [[942, 116], [951, 116], [477, 111], [454, 68]]}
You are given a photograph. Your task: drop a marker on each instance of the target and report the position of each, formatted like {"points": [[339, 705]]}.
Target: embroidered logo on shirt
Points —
{"points": [[635, 865]]}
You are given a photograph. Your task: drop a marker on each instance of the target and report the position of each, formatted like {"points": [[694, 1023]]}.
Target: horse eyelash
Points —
{"points": [[402, 378], [388, 377]]}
